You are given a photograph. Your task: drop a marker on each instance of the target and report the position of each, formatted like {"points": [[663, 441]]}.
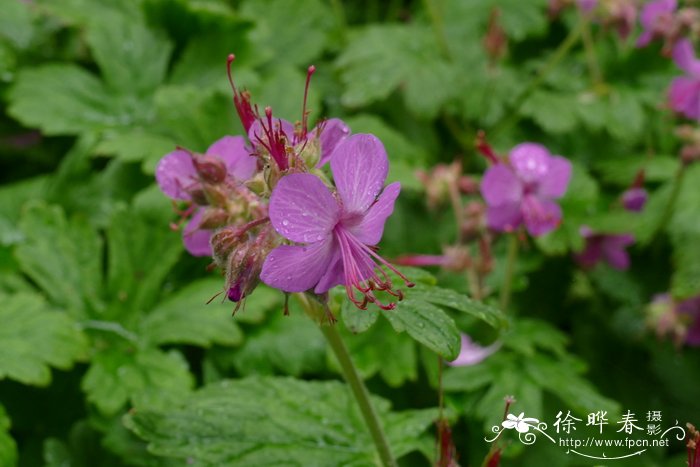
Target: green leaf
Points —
{"points": [[147, 376], [63, 257], [185, 317], [684, 230], [33, 338], [133, 59], [460, 302], [382, 350], [140, 256], [380, 59], [283, 90], [553, 111], [356, 320], [63, 99], [625, 115], [16, 23], [193, 117], [290, 344], [134, 145], [274, 421], [8, 447], [622, 170], [427, 324], [297, 45]]}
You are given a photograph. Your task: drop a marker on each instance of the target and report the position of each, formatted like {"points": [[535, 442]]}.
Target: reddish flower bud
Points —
{"points": [[211, 169]]}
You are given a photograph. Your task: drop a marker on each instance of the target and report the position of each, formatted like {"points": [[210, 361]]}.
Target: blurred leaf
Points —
{"points": [[553, 111], [63, 257], [625, 115], [528, 335], [185, 317], [16, 23], [119, 375], [380, 59], [427, 324], [282, 88], [135, 145], [32, 338], [274, 421], [622, 170], [193, 117], [140, 256], [297, 45], [684, 230], [290, 344], [8, 447], [133, 59], [63, 99]]}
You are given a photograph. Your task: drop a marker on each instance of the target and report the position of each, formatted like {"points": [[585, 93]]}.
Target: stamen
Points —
{"points": [[483, 146], [304, 114]]}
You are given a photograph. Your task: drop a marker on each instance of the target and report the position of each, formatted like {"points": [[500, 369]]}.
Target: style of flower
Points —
{"points": [[604, 247], [522, 190], [520, 423], [336, 235], [472, 353], [684, 93], [656, 18], [197, 179]]}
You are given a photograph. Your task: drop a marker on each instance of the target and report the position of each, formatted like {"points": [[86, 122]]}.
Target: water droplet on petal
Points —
{"points": [[285, 222]]}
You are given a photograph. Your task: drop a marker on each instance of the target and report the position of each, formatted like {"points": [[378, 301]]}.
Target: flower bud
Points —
{"points": [[211, 169], [213, 218]]}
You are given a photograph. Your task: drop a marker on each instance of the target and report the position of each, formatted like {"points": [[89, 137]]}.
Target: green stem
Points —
{"points": [[438, 27], [591, 56], [510, 270], [361, 394], [668, 210], [352, 377], [512, 115]]}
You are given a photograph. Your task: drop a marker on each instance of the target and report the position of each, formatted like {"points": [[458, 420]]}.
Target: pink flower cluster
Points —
{"points": [[263, 210]]}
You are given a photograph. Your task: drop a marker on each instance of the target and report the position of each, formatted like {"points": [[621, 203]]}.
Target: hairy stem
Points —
{"points": [[510, 270], [352, 377]]}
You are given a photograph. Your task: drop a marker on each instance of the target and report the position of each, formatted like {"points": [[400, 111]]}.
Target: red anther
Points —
{"points": [[485, 148]]}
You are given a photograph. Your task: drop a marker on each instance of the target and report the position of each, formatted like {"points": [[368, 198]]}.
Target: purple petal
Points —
{"points": [[302, 209], [297, 268], [653, 10], [684, 97], [175, 174], [333, 275], [684, 57], [370, 229], [591, 254], [233, 151], [471, 353], [555, 183], [360, 166], [504, 217], [540, 215], [333, 133], [196, 240], [613, 249], [644, 39], [501, 186], [634, 199], [530, 161], [587, 5]]}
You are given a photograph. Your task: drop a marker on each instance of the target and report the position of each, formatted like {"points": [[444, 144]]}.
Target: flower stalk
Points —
{"points": [[352, 377], [506, 288]]}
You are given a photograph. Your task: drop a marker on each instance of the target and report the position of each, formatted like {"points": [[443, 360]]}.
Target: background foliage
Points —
{"points": [[109, 355]]}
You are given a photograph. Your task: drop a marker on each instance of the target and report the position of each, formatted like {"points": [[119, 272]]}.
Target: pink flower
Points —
{"points": [[656, 18], [684, 93], [184, 176], [604, 247], [472, 353], [523, 190], [335, 234]]}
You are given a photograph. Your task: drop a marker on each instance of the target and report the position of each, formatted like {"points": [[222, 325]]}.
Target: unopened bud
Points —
{"points": [[211, 169], [213, 218]]}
